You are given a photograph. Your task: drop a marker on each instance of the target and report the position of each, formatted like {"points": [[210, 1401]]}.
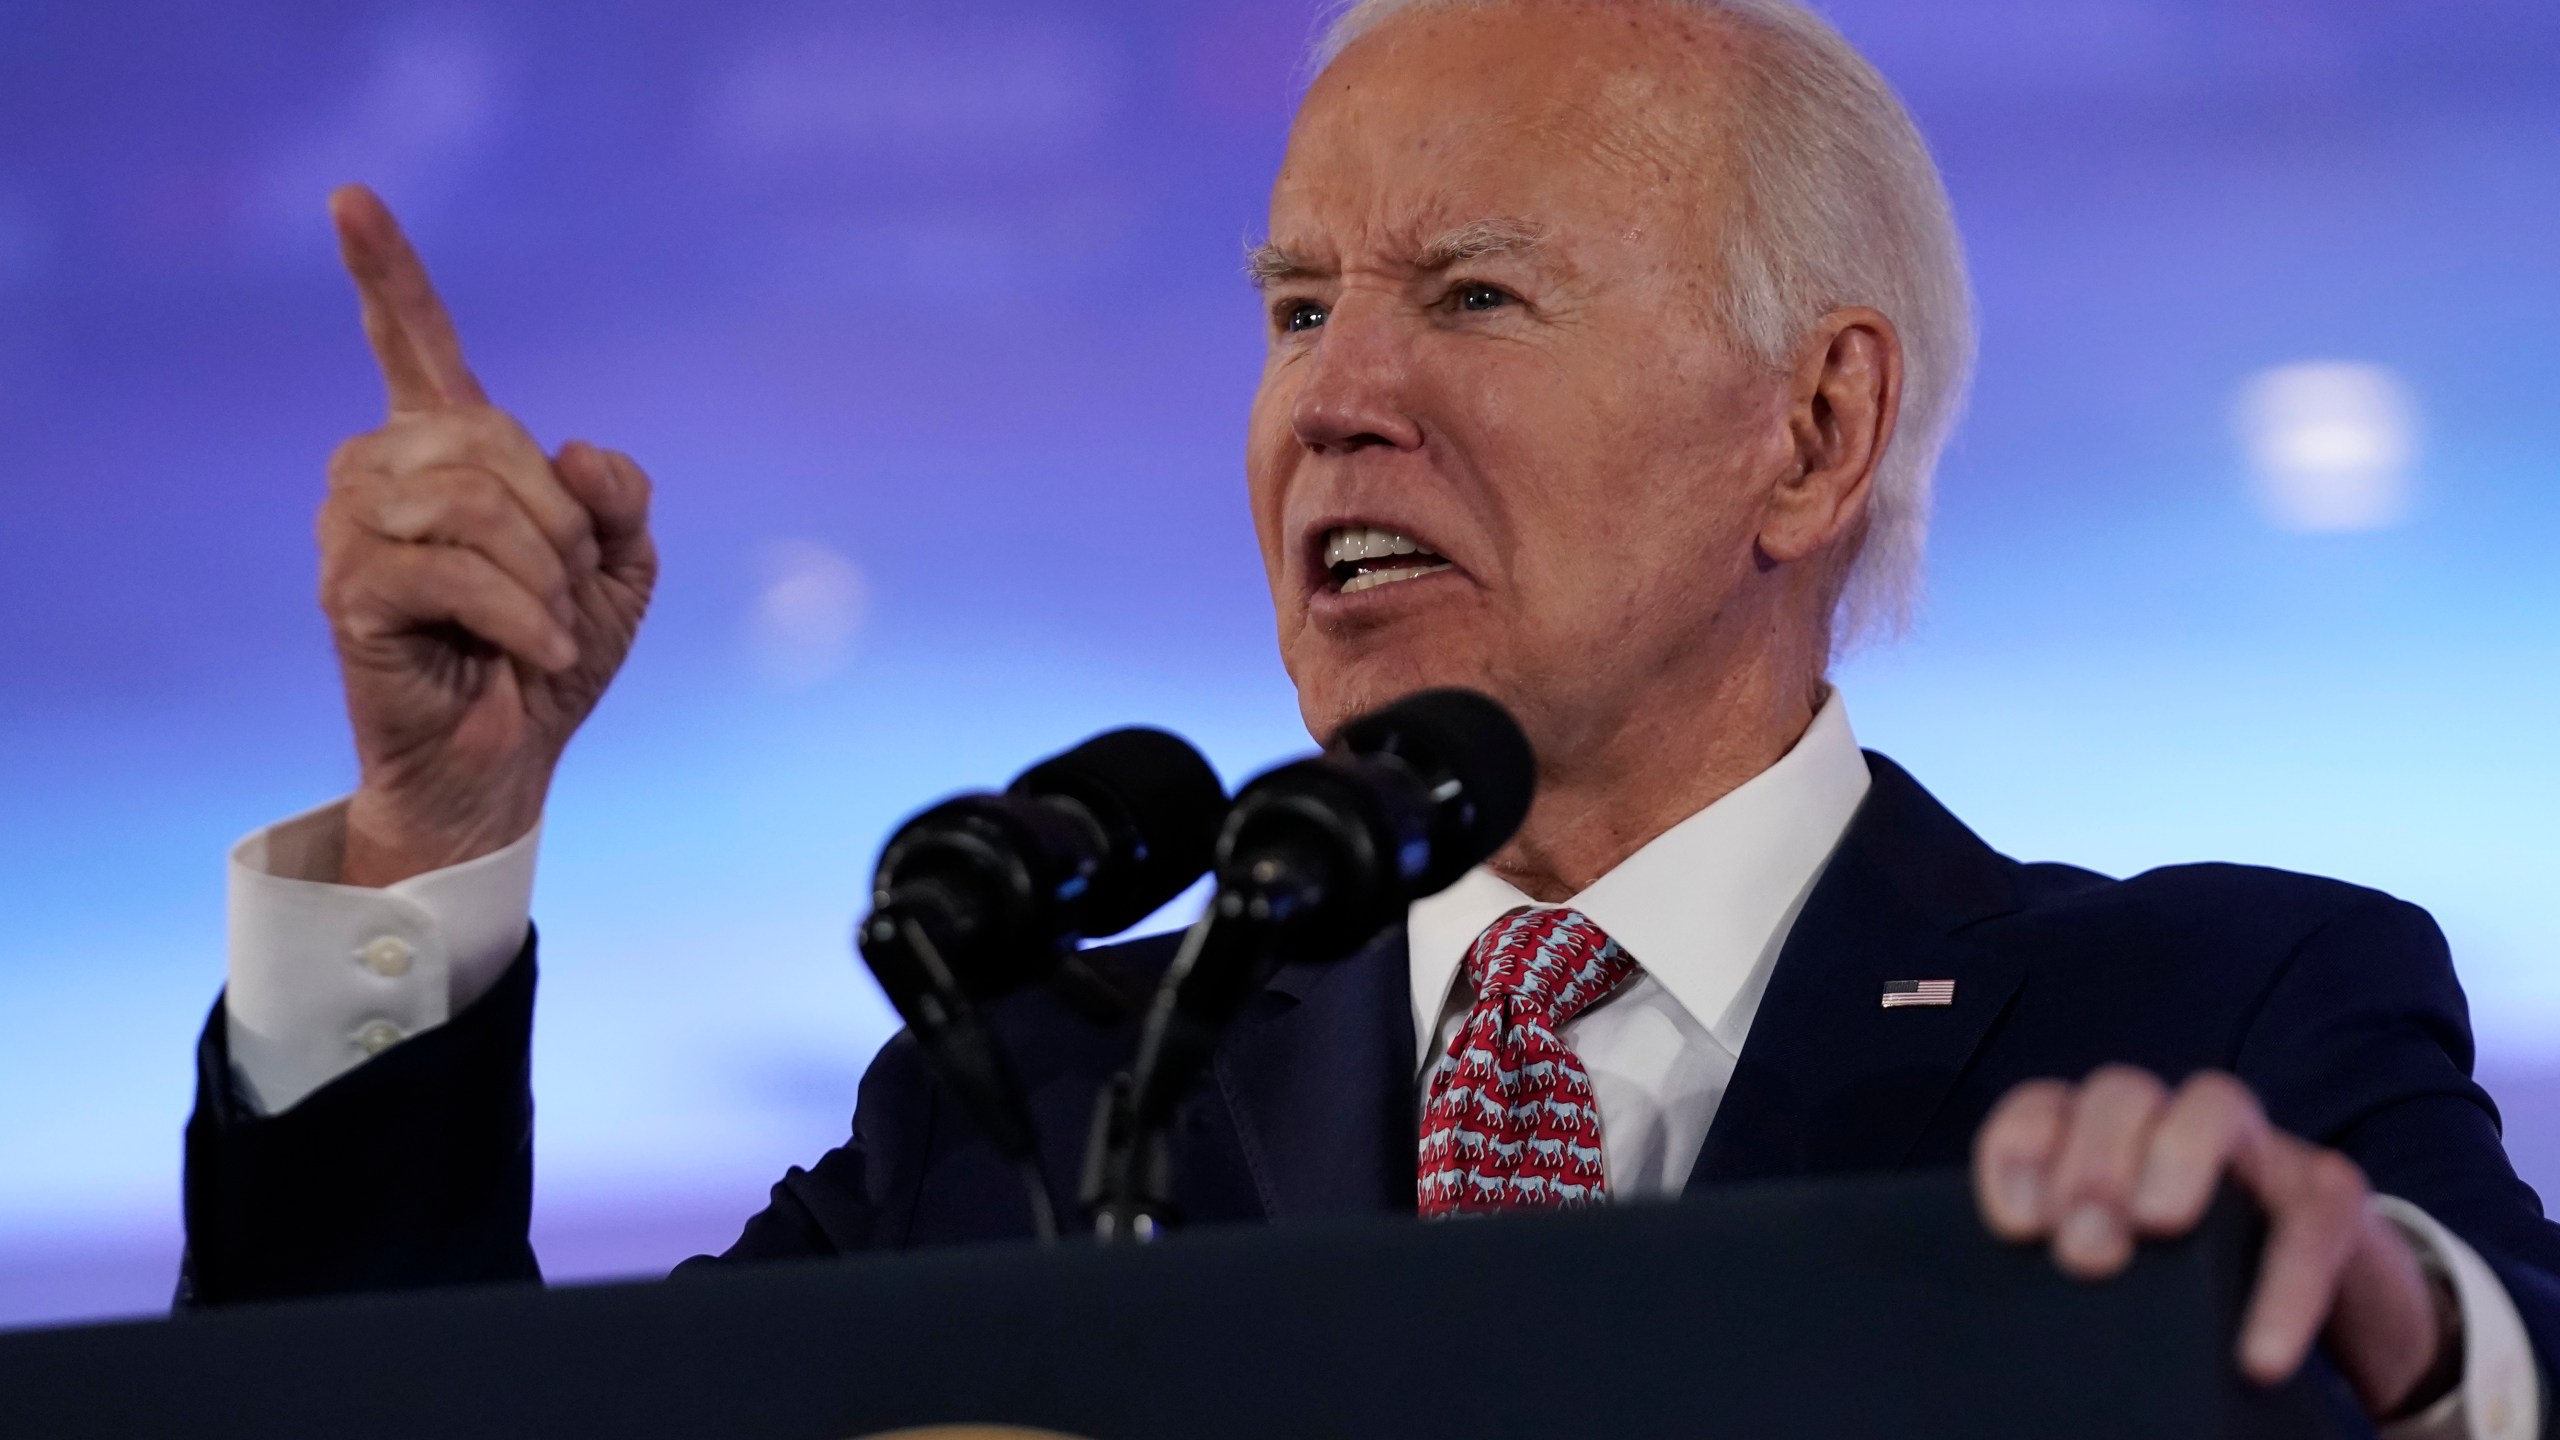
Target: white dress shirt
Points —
{"points": [[1703, 908], [324, 976]]}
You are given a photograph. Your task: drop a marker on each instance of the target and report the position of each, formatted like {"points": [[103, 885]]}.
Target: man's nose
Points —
{"points": [[1357, 384]]}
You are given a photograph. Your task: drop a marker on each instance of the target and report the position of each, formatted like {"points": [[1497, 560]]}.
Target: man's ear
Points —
{"points": [[1846, 390]]}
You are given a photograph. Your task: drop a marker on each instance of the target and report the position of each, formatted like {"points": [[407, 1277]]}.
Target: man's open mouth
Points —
{"points": [[1365, 557]]}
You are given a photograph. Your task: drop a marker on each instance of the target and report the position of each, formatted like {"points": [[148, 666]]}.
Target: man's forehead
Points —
{"points": [[1444, 119]]}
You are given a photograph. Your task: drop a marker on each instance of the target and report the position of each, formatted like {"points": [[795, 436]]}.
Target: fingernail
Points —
{"points": [[2087, 1233], [2021, 1194], [564, 652]]}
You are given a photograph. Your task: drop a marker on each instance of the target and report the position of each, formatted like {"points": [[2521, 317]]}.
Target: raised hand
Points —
{"points": [[481, 593]]}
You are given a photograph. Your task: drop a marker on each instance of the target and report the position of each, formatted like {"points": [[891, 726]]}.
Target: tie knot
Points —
{"points": [[1553, 961]]}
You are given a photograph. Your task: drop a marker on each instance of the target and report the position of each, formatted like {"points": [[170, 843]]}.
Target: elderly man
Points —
{"points": [[1611, 345]]}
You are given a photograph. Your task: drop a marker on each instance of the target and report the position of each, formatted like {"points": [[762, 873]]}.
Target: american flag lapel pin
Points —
{"points": [[1898, 993]]}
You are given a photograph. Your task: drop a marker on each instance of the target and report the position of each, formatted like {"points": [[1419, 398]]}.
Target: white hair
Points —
{"points": [[1840, 204]]}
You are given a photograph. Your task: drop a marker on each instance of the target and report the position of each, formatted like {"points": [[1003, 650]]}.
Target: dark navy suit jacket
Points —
{"points": [[2337, 1005]]}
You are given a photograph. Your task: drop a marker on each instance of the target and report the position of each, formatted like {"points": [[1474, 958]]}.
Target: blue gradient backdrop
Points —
{"points": [[927, 318]]}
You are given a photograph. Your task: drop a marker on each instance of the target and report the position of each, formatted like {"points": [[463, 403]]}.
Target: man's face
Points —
{"points": [[1489, 300]]}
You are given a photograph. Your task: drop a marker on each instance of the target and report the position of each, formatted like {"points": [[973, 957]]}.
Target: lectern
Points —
{"points": [[1835, 1309]]}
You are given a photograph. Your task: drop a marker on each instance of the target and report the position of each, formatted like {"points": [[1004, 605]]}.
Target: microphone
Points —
{"points": [[1326, 851], [1315, 857], [1085, 843], [984, 894]]}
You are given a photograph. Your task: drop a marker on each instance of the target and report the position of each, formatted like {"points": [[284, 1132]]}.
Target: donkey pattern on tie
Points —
{"points": [[1508, 1120]]}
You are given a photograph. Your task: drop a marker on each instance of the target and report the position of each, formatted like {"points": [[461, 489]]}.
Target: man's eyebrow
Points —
{"points": [[1493, 235], [1268, 264]]}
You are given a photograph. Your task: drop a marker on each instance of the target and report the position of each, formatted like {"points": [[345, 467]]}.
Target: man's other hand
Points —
{"points": [[2092, 1167], [481, 593]]}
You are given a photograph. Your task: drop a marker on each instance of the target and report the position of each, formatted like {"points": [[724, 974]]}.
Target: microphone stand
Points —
{"points": [[984, 894], [959, 1049], [1229, 952], [1313, 859]]}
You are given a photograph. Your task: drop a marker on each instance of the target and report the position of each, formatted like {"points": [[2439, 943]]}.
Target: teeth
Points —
{"points": [[1357, 542], [1375, 578]]}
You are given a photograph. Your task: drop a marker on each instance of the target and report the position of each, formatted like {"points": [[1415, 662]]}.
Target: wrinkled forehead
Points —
{"points": [[1570, 114]]}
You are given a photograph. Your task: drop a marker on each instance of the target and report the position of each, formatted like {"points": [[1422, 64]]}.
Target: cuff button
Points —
{"points": [[388, 956], [377, 1036]]}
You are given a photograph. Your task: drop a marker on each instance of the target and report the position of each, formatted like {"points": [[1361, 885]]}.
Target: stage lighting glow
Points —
{"points": [[807, 613], [2332, 444]]}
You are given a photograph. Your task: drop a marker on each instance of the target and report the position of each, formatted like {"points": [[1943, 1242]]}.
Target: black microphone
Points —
{"points": [[1082, 844], [984, 894], [1328, 850], [1315, 858]]}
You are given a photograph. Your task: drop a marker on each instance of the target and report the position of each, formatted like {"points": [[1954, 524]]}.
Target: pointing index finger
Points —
{"points": [[412, 337]]}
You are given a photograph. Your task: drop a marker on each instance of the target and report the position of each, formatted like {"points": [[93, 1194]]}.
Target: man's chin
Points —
{"points": [[1335, 687]]}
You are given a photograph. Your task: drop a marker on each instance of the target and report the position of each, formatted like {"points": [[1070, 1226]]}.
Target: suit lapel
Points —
{"points": [[1317, 1077], [1829, 1080]]}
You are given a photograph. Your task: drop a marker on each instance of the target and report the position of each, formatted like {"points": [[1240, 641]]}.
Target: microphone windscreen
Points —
{"points": [[1159, 803], [1456, 736]]}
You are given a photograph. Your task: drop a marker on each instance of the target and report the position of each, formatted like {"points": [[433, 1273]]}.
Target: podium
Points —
{"points": [[1873, 1307]]}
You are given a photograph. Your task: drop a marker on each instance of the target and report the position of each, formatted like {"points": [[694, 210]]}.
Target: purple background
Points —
{"points": [[927, 318]]}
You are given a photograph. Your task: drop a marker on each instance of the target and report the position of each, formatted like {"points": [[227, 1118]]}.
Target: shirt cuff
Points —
{"points": [[2500, 1395], [324, 976]]}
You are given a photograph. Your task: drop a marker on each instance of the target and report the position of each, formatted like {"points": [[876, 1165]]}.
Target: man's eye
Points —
{"points": [[1473, 296], [1297, 315]]}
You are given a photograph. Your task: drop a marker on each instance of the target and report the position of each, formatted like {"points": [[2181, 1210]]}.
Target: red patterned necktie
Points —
{"points": [[1510, 1124]]}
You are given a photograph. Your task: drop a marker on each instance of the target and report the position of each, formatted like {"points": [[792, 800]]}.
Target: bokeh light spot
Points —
{"points": [[807, 613], [2331, 444]]}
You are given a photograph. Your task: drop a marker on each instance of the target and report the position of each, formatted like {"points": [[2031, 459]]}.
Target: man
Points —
{"points": [[1611, 344]]}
